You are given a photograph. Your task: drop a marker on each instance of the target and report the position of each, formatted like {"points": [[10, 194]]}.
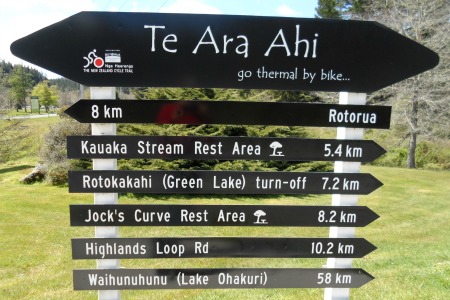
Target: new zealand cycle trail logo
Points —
{"points": [[111, 63]]}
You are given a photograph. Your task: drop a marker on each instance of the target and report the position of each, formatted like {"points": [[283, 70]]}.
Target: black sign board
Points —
{"points": [[220, 215], [224, 51], [194, 112], [196, 247], [134, 279], [222, 148], [221, 182]]}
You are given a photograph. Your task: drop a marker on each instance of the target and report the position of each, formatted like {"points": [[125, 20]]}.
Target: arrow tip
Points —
{"points": [[377, 183], [371, 247], [366, 277], [70, 111]]}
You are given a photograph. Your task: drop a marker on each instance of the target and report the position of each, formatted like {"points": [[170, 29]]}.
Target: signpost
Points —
{"points": [[218, 278], [221, 182], [220, 215], [219, 247], [221, 148], [35, 107], [230, 112], [244, 52], [218, 51]]}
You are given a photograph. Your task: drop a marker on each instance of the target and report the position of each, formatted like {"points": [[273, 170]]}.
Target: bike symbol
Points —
{"points": [[92, 58]]}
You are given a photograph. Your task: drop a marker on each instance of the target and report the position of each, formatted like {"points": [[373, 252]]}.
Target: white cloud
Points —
{"points": [[286, 11], [190, 7]]}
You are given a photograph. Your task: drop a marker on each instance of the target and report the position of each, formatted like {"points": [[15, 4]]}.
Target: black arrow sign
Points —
{"points": [[221, 182], [229, 112], [222, 148], [134, 279], [118, 248], [188, 50], [220, 215]]}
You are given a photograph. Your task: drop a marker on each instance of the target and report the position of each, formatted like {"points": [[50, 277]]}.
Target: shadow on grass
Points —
{"points": [[16, 168]]}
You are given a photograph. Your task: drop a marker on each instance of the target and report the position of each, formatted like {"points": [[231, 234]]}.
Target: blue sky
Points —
{"points": [[19, 18]]}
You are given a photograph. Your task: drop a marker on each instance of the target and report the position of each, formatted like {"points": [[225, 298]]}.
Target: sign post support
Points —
{"points": [[344, 200], [105, 198]]}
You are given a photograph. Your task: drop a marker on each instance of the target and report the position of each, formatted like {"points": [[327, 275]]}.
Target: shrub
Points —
{"points": [[62, 111], [430, 156], [393, 158], [54, 153]]}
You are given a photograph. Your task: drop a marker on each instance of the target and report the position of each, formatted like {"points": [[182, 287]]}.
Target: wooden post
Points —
{"points": [[105, 198], [344, 200]]}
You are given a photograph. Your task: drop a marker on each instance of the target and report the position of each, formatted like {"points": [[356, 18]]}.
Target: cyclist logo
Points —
{"points": [[92, 58], [105, 62]]}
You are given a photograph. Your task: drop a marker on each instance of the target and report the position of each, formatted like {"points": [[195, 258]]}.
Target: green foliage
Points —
{"points": [[294, 96], [62, 111], [190, 94], [341, 9], [223, 95], [7, 67], [48, 95], [34, 74], [64, 84], [327, 9], [21, 82], [393, 158], [429, 155], [16, 82], [57, 175], [5, 101], [172, 93], [53, 151]]}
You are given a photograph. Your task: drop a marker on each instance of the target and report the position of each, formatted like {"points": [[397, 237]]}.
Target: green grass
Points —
{"points": [[15, 113], [22, 112], [412, 260]]}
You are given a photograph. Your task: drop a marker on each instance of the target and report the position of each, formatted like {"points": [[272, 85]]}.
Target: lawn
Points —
{"points": [[412, 260]]}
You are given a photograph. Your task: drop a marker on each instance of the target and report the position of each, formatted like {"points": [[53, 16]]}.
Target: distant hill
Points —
{"points": [[65, 84]]}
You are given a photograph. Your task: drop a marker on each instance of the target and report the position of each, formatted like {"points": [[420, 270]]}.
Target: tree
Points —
{"points": [[21, 83], [341, 9], [421, 102], [328, 9], [294, 96], [54, 150], [48, 96], [4, 90], [65, 84]]}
